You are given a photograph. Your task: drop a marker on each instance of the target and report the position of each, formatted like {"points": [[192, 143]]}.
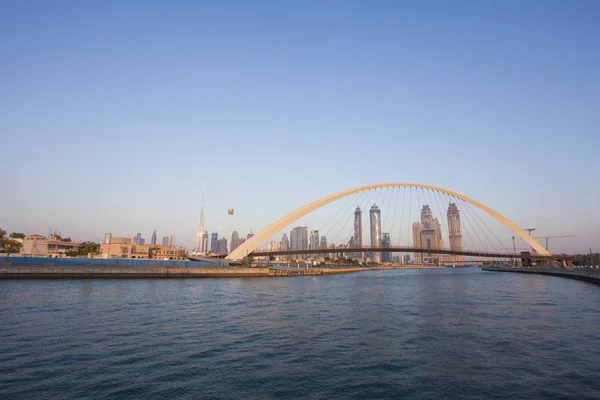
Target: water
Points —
{"points": [[420, 334]]}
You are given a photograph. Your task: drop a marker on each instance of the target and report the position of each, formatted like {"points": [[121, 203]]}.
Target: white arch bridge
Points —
{"points": [[248, 248]]}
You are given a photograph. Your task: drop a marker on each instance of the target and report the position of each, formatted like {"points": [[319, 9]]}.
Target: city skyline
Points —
{"points": [[339, 80]]}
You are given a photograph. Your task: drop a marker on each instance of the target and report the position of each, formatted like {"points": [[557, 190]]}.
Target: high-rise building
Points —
{"points": [[427, 234], [358, 234], [200, 231], [455, 231], [172, 242], [323, 244], [285, 245], [314, 242], [235, 238], [222, 246], [137, 238], [407, 259], [385, 242], [205, 243], [165, 241], [153, 240], [299, 238], [214, 242], [375, 214], [274, 246], [108, 238], [249, 236], [285, 242]]}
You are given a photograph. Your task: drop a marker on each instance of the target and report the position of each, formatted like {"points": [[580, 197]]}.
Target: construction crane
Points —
{"points": [[529, 230], [552, 237]]}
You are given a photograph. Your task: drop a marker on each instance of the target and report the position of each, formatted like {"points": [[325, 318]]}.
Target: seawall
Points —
{"points": [[89, 272], [579, 273]]}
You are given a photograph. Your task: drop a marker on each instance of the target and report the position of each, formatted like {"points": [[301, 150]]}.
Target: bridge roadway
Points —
{"points": [[393, 249]]}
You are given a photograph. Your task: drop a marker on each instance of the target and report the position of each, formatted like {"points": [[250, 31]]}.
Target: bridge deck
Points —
{"points": [[393, 249]]}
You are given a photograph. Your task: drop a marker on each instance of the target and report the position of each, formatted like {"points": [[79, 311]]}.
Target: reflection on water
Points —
{"points": [[388, 334]]}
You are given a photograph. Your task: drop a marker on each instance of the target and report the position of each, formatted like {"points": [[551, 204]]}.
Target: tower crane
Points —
{"points": [[553, 237]]}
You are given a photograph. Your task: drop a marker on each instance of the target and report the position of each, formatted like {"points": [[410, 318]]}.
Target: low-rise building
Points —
{"points": [[125, 248], [38, 246]]}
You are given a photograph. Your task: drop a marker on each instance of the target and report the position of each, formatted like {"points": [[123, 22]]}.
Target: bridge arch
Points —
{"points": [[252, 244]]}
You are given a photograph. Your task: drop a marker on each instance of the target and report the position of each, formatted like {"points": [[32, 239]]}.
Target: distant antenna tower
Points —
{"points": [[200, 232], [230, 212]]}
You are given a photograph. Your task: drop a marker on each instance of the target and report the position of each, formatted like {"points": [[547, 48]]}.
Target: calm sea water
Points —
{"points": [[420, 334]]}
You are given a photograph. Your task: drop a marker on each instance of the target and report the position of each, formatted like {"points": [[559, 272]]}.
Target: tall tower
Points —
{"points": [[455, 230], [299, 238], [235, 239], [214, 242], [375, 213], [285, 244], [205, 241], [323, 244], [427, 235], [358, 234], [200, 232], [153, 240], [385, 242], [314, 241], [417, 228]]}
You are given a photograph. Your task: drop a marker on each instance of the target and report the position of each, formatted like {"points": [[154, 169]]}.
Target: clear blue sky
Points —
{"points": [[115, 115]]}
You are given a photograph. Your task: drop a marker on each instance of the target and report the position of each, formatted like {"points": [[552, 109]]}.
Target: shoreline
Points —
{"points": [[579, 274], [41, 271]]}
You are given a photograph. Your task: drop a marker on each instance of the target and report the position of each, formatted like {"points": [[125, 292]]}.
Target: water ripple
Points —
{"points": [[415, 334]]}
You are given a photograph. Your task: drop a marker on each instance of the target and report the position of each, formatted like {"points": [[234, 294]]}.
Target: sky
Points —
{"points": [[115, 116]]}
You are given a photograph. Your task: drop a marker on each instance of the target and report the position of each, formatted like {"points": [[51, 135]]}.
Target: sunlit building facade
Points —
{"points": [[375, 214]]}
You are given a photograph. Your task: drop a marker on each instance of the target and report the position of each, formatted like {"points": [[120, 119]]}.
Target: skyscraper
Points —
{"points": [[222, 246], [172, 242], [204, 248], [314, 242], [385, 242], [455, 231], [323, 244], [427, 234], [108, 238], [235, 238], [375, 214], [214, 242], [299, 238], [358, 242], [165, 241], [153, 240], [285, 244], [137, 239]]}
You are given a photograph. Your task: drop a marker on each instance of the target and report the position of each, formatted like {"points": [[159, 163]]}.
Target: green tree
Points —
{"points": [[8, 245], [17, 235], [88, 247]]}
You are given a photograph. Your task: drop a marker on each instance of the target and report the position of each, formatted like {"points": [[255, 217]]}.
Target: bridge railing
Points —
{"points": [[391, 249]]}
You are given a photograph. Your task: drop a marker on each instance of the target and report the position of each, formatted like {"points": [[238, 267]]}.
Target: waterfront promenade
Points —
{"points": [[585, 274], [87, 272]]}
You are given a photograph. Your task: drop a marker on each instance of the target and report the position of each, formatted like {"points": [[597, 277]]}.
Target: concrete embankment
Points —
{"points": [[45, 272], [579, 273]]}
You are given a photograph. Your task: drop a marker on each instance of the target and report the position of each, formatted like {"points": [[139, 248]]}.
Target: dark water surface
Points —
{"points": [[420, 334]]}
